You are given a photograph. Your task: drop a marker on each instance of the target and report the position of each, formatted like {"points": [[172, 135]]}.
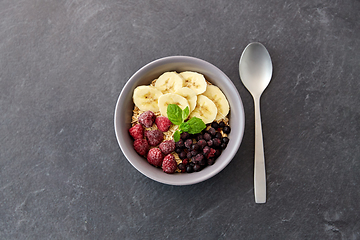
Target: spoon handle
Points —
{"points": [[259, 163]]}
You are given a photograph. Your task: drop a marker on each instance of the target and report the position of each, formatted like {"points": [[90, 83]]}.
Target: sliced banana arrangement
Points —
{"points": [[169, 82], [205, 109], [190, 96], [146, 98], [195, 81], [171, 98], [186, 89], [216, 95]]}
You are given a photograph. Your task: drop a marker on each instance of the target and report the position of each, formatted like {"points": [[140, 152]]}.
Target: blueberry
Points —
{"points": [[217, 153], [189, 169], [226, 129], [211, 153], [218, 135], [181, 166], [203, 162], [210, 143], [198, 158], [194, 152], [178, 150], [189, 155], [222, 124], [188, 143], [225, 140], [210, 161], [215, 125], [217, 142], [206, 150], [199, 137], [182, 155], [212, 131], [195, 147], [201, 143], [207, 136], [197, 167], [179, 144], [192, 164], [223, 145], [184, 135]]}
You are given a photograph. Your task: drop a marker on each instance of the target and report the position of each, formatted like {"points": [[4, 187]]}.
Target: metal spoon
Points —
{"points": [[255, 69]]}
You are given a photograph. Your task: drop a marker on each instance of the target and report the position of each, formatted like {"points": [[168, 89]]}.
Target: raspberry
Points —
{"points": [[154, 137], [137, 131], [163, 123], [167, 146], [147, 118], [155, 157], [169, 164], [141, 146]]}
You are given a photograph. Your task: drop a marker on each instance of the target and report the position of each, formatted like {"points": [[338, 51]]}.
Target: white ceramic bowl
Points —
{"points": [[144, 76]]}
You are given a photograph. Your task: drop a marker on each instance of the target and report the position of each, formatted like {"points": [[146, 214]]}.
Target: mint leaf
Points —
{"points": [[177, 116], [174, 113], [185, 113], [196, 125], [176, 136], [184, 127]]}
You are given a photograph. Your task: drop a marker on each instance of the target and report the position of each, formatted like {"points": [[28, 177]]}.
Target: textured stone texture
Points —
{"points": [[63, 64]]}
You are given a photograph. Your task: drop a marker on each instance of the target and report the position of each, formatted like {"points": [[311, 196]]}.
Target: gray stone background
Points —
{"points": [[63, 64]]}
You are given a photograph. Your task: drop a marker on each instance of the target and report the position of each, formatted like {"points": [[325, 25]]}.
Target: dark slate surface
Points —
{"points": [[63, 64]]}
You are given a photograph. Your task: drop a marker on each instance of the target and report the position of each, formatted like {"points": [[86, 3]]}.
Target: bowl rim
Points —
{"points": [[238, 139]]}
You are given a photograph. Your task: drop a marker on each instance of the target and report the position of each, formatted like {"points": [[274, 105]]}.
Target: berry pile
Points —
{"points": [[195, 151], [160, 153], [198, 151]]}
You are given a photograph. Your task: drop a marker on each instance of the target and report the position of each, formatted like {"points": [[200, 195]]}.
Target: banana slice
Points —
{"points": [[171, 98], [217, 96], [146, 98], [169, 82], [195, 81], [205, 109], [190, 96]]}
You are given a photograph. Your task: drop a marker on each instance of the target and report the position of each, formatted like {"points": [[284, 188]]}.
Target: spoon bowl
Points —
{"points": [[255, 68]]}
